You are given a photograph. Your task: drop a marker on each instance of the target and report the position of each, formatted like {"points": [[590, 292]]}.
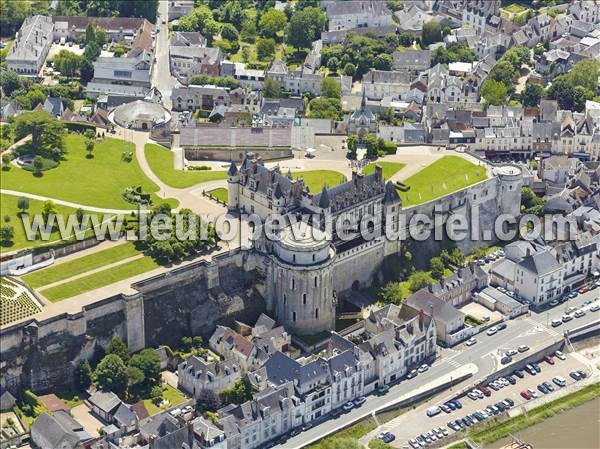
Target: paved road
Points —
{"points": [[161, 74], [527, 330]]}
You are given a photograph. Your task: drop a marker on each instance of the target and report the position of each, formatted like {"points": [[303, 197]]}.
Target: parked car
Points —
{"points": [[595, 308], [511, 352], [523, 348], [575, 375], [511, 380], [423, 368], [451, 405], [554, 303], [432, 411], [492, 330], [559, 380], [510, 401], [560, 355], [383, 389], [548, 385], [445, 408], [543, 389], [519, 373], [348, 406], [485, 390], [471, 342], [548, 359], [412, 373], [506, 360], [566, 318], [387, 437], [533, 393], [556, 323], [501, 326], [530, 369], [579, 313], [360, 401], [536, 367]]}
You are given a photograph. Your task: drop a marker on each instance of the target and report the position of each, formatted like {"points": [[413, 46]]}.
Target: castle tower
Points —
{"points": [[302, 296], [509, 189], [233, 187]]}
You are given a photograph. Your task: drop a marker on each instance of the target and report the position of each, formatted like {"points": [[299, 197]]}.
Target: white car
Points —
{"points": [[471, 342], [566, 317], [579, 313], [560, 355], [423, 368], [472, 395], [595, 308], [533, 393], [560, 381], [492, 330], [523, 348], [511, 352], [348, 406], [360, 400]]}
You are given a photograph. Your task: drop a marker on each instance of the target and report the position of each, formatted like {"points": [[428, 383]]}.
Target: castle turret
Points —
{"points": [[233, 187], [509, 189]]}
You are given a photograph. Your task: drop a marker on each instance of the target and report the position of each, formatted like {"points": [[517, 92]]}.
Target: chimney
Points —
{"points": [[421, 318]]}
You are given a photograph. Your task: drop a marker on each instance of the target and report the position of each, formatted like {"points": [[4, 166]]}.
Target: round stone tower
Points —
{"points": [[302, 293], [233, 187], [509, 189]]}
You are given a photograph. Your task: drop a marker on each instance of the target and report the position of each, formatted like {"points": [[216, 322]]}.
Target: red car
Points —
{"points": [[485, 390], [549, 360], [583, 290], [526, 394]]}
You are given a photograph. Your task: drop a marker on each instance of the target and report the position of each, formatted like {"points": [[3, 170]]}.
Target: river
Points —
{"points": [[578, 428]]}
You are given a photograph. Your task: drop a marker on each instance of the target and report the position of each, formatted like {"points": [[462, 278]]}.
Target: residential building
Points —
{"points": [[190, 98], [121, 75], [178, 8], [382, 83], [31, 46], [58, 430], [197, 374], [357, 14], [104, 404], [412, 61], [187, 61]]}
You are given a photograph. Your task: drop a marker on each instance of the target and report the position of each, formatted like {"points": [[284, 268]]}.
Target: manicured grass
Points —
{"points": [[389, 168], [499, 429], [161, 162], [354, 432], [444, 176], [80, 265], [96, 182], [220, 193], [8, 206], [100, 279], [170, 394], [514, 8], [315, 179]]}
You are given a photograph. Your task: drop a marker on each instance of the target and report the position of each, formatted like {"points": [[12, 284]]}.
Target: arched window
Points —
{"points": [[315, 281]]}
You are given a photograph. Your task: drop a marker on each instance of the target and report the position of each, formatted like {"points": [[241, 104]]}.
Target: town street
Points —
{"points": [[526, 330]]}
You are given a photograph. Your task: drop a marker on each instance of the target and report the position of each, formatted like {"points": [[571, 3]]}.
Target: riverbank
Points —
{"points": [[494, 431]]}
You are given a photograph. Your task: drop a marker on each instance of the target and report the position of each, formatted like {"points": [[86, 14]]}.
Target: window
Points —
{"points": [[284, 300], [315, 281], [317, 313], [293, 284], [294, 317], [304, 298]]}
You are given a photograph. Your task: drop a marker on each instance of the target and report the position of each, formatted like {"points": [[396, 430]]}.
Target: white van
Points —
{"points": [[432, 411], [560, 381]]}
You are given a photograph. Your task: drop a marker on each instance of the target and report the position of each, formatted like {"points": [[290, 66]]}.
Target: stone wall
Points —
{"points": [[192, 300]]}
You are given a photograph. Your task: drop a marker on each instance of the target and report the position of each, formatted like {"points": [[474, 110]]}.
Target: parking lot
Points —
{"points": [[415, 423], [478, 312]]}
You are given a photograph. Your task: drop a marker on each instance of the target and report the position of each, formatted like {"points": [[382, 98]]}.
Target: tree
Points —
{"points": [[437, 267], [10, 82], [532, 94], [229, 32], [503, 72], [207, 401], [271, 88], [23, 204], [405, 39], [134, 377], [272, 22], [83, 375], [572, 89], [148, 362], [156, 395], [265, 48], [6, 158], [200, 19], [333, 64], [46, 132], [530, 202], [92, 51], [352, 147], [86, 70], [118, 348], [38, 165], [349, 69], [240, 392], [383, 62], [479, 252], [418, 280], [90, 33], [101, 36], [323, 107], [453, 52], [7, 233], [305, 26], [248, 33], [432, 33], [331, 88], [111, 374], [392, 293], [89, 147], [494, 92], [370, 141]]}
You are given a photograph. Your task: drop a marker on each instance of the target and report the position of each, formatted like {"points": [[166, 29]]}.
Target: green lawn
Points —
{"points": [[160, 160], [170, 394], [220, 193], [8, 206], [81, 265], [96, 182], [315, 179], [389, 168], [354, 432], [100, 279], [444, 176]]}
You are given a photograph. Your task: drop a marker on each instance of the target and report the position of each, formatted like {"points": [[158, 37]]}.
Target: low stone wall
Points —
{"points": [[235, 154]]}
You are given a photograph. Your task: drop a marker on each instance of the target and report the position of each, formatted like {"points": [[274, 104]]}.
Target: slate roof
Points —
{"points": [[540, 263], [106, 401], [125, 416], [187, 39], [441, 311], [35, 33], [50, 432], [418, 58]]}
